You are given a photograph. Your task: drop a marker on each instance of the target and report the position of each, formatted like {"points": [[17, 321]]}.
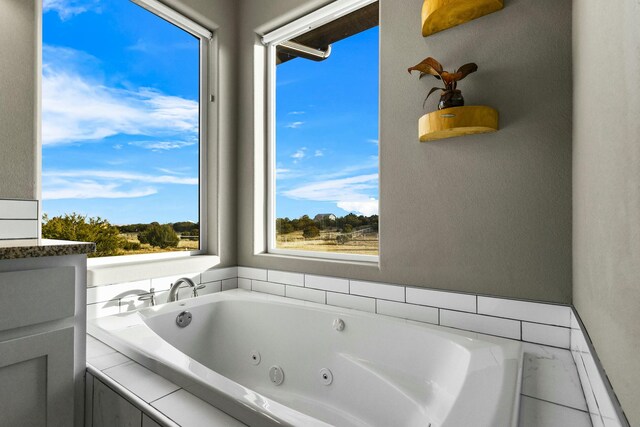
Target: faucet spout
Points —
{"points": [[173, 292]]}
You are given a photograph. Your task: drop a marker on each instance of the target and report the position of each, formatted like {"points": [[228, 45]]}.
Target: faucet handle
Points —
{"points": [[150, 296], [195, 290]]}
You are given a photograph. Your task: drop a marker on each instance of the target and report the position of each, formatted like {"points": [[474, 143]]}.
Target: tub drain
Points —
{"points": [[255, 357], [276, 375]]}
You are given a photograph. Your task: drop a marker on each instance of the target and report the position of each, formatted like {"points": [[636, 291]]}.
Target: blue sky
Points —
{"points": [[120, 113], [327, 131], [120, 119]]}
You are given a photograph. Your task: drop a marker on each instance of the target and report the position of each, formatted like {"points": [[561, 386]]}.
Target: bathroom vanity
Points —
{"points": [[42, 332]]}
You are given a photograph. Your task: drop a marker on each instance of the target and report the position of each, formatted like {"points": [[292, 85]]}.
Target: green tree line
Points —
{"points": [[311, 228], [108, 238]]}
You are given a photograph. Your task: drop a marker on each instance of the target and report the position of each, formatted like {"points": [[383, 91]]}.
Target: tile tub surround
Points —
{"points": [[116, 298], [18, 219], [547, 324], [550, 325], [604, 407], [550, 396], [166, 403]]}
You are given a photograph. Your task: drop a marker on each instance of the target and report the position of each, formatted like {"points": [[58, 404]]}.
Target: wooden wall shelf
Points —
{"points": [[438, 15], [457, 121]]}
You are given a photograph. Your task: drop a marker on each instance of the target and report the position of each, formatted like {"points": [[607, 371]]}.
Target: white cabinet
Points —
{"points": [[42, 341]]}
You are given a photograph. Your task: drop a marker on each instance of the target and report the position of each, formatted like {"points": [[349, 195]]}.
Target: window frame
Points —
{"points": [[306, 23], [207, 118]]}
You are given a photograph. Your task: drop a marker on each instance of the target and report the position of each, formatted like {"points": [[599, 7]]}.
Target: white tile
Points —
{"points": [[351, 301], [189, 411], [325, 283], [14, 209], [550, 374], [162, 297], [596, 420], [229, 284], [252, 273], [18, 228], [108, 360], [306, 294], [483, 324], [145, 384], [599, 389], [210, 288], [164, 283], [218, 274], [547, 335], [408, 311], [441, 299], [377, 290], [611, 422], [103, 309], [574, 321], [267, 287], [285, 277], [120, 290], [587, 391], [244, 283], [96, 348], [537, 413], [550, 314]]}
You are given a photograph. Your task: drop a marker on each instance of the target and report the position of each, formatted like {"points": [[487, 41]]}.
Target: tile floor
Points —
{"points": [[551, 394]]}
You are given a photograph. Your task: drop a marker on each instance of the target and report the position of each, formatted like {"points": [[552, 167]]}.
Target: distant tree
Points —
{"points": [[341, 239], [348, 228], [186, 227], [79, 228], [284, 226], [162, 236], [133, 228], [310, 232]]}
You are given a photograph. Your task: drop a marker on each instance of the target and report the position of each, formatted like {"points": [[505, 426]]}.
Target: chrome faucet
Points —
{"points": [[173, 292]]}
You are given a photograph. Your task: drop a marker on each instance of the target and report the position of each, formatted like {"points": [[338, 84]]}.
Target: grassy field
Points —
{"points": [[326, 242], [183, 245]]}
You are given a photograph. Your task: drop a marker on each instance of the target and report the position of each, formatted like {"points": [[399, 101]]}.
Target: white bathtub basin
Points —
{"points": [[386, 371]]}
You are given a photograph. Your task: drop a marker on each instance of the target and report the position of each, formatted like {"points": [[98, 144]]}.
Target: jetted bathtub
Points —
{"points": [[271, 361]]}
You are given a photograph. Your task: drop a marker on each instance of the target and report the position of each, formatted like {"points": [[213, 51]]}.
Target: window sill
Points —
{"points": [[363, 260], [114, 270]]}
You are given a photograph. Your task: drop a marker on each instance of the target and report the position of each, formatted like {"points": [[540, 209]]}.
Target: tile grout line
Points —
{"points": [[555, 403]]}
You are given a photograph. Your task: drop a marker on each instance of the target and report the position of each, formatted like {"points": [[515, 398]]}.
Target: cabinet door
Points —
{"points": [[37, 380], [112, 410]]}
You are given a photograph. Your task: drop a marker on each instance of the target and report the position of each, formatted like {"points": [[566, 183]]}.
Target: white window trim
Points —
{"points": [[206, 199], [300, 26]]}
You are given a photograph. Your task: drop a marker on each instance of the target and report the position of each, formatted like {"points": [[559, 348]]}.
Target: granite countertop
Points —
{"points": [[33, 248]]}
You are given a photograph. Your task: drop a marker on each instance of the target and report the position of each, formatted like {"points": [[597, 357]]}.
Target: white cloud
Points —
{"points": [[294, 125], [92, 190], [117, 147], [158, 146], [318, 153], [364, 207], [76, 109], [373, 141], [349, 194], [296, 113], [299, 154], [69, 8], [122, 176], [97, 184]]}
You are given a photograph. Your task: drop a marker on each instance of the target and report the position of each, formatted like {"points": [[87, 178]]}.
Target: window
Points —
{"points": [[122, 126], [323, 137]]}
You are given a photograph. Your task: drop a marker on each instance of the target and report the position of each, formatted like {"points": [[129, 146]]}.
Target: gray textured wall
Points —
{"points": [[488, 214], [606, 176], [18, 77]]}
